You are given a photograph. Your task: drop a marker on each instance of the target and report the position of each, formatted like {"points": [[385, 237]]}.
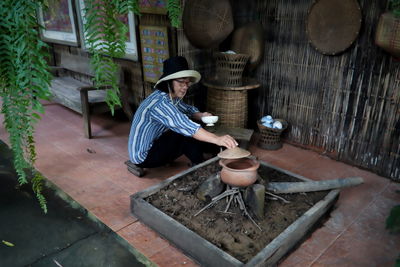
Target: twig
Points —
{"points": [[281, 198], [215, 199], [226, 212], [243, 207], [229, 203]]}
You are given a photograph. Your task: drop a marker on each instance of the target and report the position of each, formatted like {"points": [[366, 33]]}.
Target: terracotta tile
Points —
{"points": [[164, 172], [143, 239], [74, 179], [53, 162], [68, 116], [288, 157], [94, 195], [4, 134], [366, 242], [132, 183], [115, 213], [354, 200], [171, 256], [322, 168], [103, 125], [85, 150], [56, 133], [392, 191], [312, 248]]}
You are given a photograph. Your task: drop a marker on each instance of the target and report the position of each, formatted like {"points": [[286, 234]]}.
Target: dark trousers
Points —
{"points": [[172, 145]]}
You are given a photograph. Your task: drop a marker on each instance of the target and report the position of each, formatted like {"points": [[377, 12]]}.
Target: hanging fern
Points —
{"points": [[25, 76], [24, 81], [174, 12], [129, 5], [107, 36]]}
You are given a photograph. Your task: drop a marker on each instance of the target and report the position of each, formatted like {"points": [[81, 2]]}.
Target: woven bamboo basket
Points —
{"points": [[229, 105], [270, 138], [387, 34], [229, 68]]}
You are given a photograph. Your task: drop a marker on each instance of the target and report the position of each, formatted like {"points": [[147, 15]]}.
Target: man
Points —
{"points": [[162, 128]]}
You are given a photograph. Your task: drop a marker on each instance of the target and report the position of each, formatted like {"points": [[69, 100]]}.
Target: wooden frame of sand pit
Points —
{"points": [[207, 254]]}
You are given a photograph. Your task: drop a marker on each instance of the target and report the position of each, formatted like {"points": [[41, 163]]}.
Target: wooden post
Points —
{"points": [[86, 113], [297, 187]]}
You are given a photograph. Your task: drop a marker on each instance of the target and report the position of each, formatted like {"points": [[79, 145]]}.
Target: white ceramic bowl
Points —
{"points": [[277, 125], [209, 120]]}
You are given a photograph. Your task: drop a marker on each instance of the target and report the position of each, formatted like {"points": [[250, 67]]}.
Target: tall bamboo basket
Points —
{"points": [[229, 68], [387, 34], [270, 138], [229, 105]]}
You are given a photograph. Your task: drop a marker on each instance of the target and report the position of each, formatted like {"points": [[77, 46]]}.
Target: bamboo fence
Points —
{"points": [[346, 106]]}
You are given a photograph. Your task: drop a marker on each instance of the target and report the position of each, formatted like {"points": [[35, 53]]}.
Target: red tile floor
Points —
{"points": [[94, 174]]}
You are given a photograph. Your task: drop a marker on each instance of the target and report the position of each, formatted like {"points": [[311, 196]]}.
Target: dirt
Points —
{"points": [[232, 232]]}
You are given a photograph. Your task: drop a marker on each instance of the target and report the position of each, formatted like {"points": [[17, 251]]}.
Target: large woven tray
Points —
{"points": [[332, 26]]}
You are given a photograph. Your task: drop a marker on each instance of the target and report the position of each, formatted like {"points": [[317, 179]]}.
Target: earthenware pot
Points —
{"points": [[239, 172]]}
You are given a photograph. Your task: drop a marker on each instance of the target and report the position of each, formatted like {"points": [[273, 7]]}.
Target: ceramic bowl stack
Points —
{"points": [[271, 130]]}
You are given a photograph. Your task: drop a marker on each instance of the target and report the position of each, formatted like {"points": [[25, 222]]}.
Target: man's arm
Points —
{"points": [[205, 136], [197, 116]]}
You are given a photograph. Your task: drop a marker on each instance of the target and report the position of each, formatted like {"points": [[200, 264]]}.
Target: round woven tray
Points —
{"points": [[270, 138], [332, 26], [207, 23]]}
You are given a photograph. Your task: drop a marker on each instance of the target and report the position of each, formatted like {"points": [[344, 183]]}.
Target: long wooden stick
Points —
{"points": [[297, 187]]}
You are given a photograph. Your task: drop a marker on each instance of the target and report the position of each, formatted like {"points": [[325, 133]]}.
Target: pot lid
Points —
{"points": [[234, 153]]}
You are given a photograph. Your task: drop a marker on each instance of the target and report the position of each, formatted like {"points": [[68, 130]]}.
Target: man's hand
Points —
{"points": [[206, 114], [226, 141], [199, 115]]}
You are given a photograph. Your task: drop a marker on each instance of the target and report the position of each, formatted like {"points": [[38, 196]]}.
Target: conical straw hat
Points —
{"points": [[234, 153]]}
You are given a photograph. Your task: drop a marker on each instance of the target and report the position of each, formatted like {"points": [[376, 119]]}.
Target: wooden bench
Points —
{"points": [[72, 87]]}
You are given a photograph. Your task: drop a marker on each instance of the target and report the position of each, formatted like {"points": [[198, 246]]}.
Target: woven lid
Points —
{"points": [[207, 23], [234, 153], [332, 26]]}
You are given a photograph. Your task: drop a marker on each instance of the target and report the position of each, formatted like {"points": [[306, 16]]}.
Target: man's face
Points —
{"points": [[180, 87]]}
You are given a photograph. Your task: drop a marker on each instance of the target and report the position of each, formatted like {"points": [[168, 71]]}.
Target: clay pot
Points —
{"points": [[239, 172]]}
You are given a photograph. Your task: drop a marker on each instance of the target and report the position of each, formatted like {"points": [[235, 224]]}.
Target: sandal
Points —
{"points": [[134, 169]]}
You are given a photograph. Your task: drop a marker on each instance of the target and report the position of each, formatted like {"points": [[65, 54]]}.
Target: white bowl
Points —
{"points": [[277, 125], [209, 120], [267, 119]]}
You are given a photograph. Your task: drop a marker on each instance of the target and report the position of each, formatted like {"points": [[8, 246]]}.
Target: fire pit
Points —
{"points": [[170, 209]]}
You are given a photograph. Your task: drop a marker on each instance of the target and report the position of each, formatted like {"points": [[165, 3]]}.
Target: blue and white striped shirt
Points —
{"points": [[155, 115]]}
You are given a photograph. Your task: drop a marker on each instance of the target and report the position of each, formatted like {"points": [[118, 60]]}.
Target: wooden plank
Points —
{"points": [[76, 63]]}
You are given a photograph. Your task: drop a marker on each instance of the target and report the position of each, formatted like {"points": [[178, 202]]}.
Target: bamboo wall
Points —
{"points": [[346, 105]]}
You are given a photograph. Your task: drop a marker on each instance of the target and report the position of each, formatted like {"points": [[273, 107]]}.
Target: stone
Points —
{"points": [[210, 188], [254, 197]]}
